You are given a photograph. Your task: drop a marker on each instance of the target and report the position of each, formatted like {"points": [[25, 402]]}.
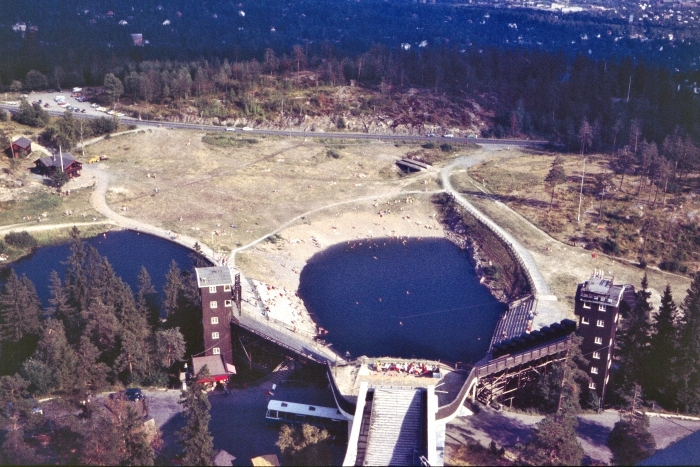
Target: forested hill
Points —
{"points": [[90, 37]]}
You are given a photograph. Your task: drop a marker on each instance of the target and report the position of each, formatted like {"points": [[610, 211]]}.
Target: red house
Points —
{"points": [[21, 147], [218, 369], [47, 166]]}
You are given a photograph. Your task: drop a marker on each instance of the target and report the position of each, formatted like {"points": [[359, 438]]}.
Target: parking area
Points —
{"points": [[48, 97], [238, 419]]}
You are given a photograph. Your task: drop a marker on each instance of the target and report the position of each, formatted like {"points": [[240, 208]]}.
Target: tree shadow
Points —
{"points": [[505, 431], [593, 432]]}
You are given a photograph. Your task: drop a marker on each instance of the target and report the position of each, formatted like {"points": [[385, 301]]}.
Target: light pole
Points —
{"points": [[580, 195]]}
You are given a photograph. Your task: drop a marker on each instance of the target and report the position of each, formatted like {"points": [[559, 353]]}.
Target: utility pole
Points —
{"points": [[580, 195], [629, 86]]}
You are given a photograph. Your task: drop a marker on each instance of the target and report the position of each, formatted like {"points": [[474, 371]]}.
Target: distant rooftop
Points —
{"points": [[216, 275]]}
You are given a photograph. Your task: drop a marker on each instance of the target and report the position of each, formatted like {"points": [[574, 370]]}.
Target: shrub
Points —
{"points": [[673, 266], [20, 240], [446, 147], [610, 247], [333, 153]]}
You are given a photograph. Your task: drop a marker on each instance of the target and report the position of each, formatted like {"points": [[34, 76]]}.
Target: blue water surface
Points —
{"points": [[126, 250], [411, 299]]}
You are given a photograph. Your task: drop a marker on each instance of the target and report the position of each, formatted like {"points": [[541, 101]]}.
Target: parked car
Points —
{"points": [[230, 128], [47, 105], [37, 411], [471, 136], [82, 111], [134, 394], [448, 135]]}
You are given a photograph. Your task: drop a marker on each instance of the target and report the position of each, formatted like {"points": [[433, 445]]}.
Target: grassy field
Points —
{"points": [[518, 182], [230, 190]]}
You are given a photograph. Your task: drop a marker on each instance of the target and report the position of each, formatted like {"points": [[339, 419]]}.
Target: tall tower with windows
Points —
{"points": [[218, 293], [598, 304]]}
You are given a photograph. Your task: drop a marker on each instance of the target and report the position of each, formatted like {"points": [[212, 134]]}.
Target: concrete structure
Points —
{"points": [[216, 291], [598, 304]]}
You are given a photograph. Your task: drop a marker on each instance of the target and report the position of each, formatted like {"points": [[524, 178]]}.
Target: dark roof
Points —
{"points": [[214, 363], [55, 161], [23, 143]]}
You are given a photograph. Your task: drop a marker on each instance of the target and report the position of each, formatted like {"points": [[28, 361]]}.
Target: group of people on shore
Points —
{"points": [[413, 368]]}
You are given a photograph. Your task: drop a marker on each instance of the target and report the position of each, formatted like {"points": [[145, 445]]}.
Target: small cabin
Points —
{"points": [[21, 147], [47, 166]]}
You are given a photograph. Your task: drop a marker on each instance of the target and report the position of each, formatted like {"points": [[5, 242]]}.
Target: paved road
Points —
{"points": [[92, 113], [508, 428]]}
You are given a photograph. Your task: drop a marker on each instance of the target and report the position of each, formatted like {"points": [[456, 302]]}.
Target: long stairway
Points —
{"points": [[395, 426]]}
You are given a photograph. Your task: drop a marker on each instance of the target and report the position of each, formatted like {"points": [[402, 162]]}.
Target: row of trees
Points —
{"points": [[537, 93], [660, 352]]}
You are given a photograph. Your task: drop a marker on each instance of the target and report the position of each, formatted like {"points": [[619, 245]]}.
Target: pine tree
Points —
{"points": [[556, 176], [633, 340], [170, 347], [20, 312], [91, 373], [62, 310], [56, 354], [20, 309], [100, 444], [102, 328], [147, 299], [76, 282], [137, 450], [687, 367], [662, 351], [195, 438], [173, 289], [554, 439], [630, 440]]}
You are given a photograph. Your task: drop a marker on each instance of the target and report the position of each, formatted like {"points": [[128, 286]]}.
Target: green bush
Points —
{"points": [[333, 153], [21, 240]]}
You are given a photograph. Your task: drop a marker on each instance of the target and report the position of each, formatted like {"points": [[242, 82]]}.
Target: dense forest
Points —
{"points": [[95, 334]]}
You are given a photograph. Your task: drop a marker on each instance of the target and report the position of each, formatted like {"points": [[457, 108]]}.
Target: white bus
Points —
{"points": [[291, 412]]}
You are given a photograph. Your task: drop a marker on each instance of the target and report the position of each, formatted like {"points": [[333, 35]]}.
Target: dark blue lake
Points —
{"points": [[126, 250], [382, 297]]}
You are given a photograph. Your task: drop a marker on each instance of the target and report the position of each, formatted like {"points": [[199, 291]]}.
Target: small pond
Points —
{"points": [[411, 299], [126, 251]]}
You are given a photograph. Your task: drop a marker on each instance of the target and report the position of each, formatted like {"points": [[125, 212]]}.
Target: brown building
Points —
{"points": [[21, 147], [216, 291], [47, 166], [598, 304]]}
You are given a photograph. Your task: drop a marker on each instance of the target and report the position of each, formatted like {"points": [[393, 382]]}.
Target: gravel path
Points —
{"points": [[99, 202], [548, 310]]}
